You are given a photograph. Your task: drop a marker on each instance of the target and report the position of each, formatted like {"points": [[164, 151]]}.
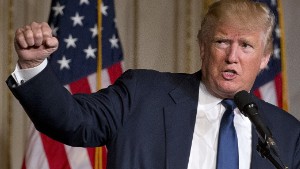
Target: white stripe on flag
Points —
{"points": [[67, 87], [268, 93], [78, 157], [92, 79], [35, 154], [105, 78]]}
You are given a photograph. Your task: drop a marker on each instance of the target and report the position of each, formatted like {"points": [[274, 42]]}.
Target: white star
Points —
{"points": [[64, 63], [71, 41], [77, 19], [114, 42], [90, 52], [54, 30], [84, 2], [103, 9], [58, 9], [94, 31], [276, 52]]}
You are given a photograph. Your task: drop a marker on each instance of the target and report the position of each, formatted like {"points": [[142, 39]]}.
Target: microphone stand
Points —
{"points": [[264, 149], [266, 145]]}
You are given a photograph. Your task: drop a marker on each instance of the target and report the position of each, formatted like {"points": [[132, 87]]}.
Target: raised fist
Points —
{"points": [[34, 43]]}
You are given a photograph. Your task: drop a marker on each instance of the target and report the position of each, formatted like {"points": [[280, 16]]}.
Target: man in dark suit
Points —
{"points": [[155, 120]]}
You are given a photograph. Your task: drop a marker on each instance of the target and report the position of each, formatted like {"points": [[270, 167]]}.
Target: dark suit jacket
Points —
{"points": [[146, 119]]}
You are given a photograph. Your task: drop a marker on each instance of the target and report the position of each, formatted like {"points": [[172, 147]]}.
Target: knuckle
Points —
{"points": [[38, 35], [47, 33], [27, 27], [34, 24], [19, 31], [28, 34]]}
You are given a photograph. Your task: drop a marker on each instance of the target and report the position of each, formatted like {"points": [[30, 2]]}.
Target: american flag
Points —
{"points": [[270, 84], [78, 62]]}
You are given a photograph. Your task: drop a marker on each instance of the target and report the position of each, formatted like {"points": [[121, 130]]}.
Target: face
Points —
{"points": [[231, 60]]}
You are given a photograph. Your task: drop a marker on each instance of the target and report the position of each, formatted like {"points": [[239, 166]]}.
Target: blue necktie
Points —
{"points": [[228, 155]]}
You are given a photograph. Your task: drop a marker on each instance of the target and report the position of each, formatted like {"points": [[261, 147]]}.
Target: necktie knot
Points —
{"points": [[228, 104]]}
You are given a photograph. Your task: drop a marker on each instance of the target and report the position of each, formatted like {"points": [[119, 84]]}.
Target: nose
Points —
{"points": [[232, 53]]}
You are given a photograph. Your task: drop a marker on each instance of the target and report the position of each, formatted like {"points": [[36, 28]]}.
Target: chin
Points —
{"points": [[222, 94], [225, 89], [228, 92]]}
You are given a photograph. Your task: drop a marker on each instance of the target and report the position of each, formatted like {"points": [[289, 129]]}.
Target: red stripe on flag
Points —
{"points": [[55, 153], [24, 164], [278, 86], [91, 152], [80, 86], [115, 72], [257, 93], [104, 157]]}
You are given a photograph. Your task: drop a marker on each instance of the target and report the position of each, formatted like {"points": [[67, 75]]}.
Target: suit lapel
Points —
{"points": [[180, 121]]}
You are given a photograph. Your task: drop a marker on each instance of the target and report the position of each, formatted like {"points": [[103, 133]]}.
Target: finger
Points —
{"points": [[47, 31], [28, 34], [20, 38], [52, 42], [37, 33]]}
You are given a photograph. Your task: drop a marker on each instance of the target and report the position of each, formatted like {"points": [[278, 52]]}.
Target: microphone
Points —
{"points": [[248, 108]]}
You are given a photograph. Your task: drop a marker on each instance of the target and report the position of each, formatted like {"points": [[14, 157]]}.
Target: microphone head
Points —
{"points": [[242, 99]]}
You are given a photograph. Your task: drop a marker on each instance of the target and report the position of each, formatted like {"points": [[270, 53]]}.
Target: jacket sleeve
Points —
{"points": [[296, 160], [77, 120]]}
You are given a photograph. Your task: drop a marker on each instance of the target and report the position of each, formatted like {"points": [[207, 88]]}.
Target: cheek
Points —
{"points": [[212, 60], [251, 69], [211, 57], [209, 63]]}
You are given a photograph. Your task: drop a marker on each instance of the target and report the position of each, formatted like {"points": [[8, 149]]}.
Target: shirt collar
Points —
{"points": [[207, 102]]}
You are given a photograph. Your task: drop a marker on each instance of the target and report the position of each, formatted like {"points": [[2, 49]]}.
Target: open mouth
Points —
{"points": [[229, 74], [231, 71]]}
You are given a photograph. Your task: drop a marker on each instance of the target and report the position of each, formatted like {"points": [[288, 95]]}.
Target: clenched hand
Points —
{"points": [[34, 43]]}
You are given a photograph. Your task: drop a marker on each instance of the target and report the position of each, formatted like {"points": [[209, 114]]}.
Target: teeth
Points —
{"points": [[230, 71]]}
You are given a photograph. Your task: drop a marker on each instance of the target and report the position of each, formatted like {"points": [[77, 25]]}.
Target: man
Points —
{"points": [[154, 120]]}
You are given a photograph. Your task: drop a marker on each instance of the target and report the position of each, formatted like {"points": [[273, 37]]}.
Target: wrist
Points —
{"points": [[25, 64]]}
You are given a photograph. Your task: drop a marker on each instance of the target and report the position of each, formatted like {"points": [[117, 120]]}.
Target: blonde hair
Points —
{"points": [[245, 14]]}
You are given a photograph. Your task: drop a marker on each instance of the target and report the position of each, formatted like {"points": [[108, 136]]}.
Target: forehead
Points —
{"points": [[237, 30]]}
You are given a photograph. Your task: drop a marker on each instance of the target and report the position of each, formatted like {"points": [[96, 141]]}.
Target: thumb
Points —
{"points": [[51, 43]]}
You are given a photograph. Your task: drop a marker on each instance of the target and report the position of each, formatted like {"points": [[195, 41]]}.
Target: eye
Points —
{"points": [[222, 43], [246, 45]]}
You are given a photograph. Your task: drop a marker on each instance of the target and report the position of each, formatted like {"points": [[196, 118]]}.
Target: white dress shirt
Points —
{"points": [[203, 153], [205, 138], [23, 75]]}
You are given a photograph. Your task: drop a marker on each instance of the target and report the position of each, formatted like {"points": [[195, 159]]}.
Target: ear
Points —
{"points": [[202, 48], [264, 61]]}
